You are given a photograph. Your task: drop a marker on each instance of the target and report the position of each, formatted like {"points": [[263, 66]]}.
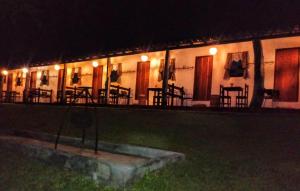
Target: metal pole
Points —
{"points": [[26, 88], [257, 98], [63, 85], [107, 83], [165, 79], [1, 85], [96, 129]]}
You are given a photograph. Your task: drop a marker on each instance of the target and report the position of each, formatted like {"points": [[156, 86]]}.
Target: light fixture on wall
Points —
{"points": [[115, 67], [39, 74], [213, 51], [25, 70], [144, 58], [95, 64], [56, 67], [4, 72]]}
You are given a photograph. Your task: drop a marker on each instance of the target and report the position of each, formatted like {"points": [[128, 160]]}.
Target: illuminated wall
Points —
{"points": [[269, 50], [129, 67], [185, 66]]}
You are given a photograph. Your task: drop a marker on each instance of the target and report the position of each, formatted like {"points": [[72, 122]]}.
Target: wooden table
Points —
{"points": [[80, 92], [86, 93], [233, 89], [9, 96], [157, 97], [228, 89]]}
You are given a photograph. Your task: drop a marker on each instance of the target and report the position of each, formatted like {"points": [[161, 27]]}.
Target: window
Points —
{"points": [[76, 76], [236, 69], [19, 79], [172, 70], [236, 65], [3, 79], [116, 72], [45, 77]]}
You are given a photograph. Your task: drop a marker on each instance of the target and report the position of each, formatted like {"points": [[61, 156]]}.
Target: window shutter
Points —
{"points": [[72, 76], [161, 70], [79, 76], [172, 70], [119, 72]]}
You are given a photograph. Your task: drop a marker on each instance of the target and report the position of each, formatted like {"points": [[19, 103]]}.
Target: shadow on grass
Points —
{"points": [[224, 151]]}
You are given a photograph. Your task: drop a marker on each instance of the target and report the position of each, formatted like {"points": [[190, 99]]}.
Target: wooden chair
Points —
{"points": [[225, 99], [102, 96], [36, 94], [242, 100], [176, 92], [157, 98], [9, 96], [116, 93], [270, 94]]}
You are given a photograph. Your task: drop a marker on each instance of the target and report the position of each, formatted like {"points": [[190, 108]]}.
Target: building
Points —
{"points": [[200, 67]]}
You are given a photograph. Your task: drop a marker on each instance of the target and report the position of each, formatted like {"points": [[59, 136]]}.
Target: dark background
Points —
{"points": [[42, 30]]}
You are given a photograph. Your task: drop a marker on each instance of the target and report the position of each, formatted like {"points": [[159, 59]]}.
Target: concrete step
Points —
{"points": [[109, 168]]}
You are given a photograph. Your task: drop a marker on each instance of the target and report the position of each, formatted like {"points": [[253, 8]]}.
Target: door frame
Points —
{"points": [[31, 79], [274, 80], [142, 101], [99, 80], [209, 80], [10, 82]]}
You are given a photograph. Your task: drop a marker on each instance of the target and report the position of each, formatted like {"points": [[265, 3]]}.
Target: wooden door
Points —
{"points": [[203, 78], [33, 77], [60, 79], [142, 82], [9, 82], [286, 78], [97, 80]]}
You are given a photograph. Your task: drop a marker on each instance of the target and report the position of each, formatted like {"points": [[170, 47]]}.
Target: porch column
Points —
{"points": [[26, 88], [258, 97], [1, 84], [63, 84], [107, 82], [165, 79]]}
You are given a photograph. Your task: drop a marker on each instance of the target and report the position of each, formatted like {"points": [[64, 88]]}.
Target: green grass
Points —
{"points": [[224, 152]]}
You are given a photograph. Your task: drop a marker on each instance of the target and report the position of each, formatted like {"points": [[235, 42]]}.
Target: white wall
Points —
{"points": [[185, 63], [269, 51], [185, 58]]}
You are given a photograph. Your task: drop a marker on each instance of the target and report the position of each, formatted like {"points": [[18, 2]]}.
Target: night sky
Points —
{"points": [[41, 30]]}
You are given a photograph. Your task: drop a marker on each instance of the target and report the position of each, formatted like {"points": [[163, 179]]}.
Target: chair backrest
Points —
{"points": [[120, 90], [176, 90], [246, 91], [182, 92], [101, 92], [271, 93], [221, 93]]}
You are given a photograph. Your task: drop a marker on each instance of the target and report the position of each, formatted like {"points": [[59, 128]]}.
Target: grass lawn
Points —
{"points": [[258, 151]]}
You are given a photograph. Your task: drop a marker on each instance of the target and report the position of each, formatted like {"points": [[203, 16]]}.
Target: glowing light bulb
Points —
{"points": [[95, 64], [213, 51], [4, 72], [25, 70], [144, 58], [56, 67]]}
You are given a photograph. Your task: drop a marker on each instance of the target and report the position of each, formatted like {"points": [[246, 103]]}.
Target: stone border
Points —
{"points": [[103, 171]]}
